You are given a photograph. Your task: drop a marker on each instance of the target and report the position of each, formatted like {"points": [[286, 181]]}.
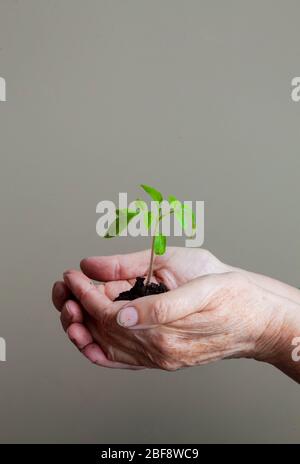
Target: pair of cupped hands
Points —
{"points": [[212, 311]]}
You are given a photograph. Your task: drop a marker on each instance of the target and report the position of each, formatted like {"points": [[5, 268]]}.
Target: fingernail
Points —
{"points": [[127, 317]]}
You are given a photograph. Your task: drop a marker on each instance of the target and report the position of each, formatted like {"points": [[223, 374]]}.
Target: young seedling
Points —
{"points": [[153, 219]]}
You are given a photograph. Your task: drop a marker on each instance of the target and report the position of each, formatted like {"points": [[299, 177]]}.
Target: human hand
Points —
{"points": [[177, 266], [230, 323]]}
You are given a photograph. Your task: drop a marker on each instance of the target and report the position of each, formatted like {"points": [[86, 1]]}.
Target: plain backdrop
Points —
{"points": [[192, 97]]}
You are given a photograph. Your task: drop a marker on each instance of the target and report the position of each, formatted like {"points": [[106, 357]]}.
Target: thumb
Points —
{"points": [[167, 307]]}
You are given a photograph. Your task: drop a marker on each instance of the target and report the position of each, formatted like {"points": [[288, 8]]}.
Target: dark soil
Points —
{"points": [[140, 289]]}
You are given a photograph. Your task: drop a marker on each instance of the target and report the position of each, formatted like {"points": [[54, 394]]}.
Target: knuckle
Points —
{"points": [[163, 352], [167, 364], [71, 332], [231, 286], [162, 343], [160, 311], [205, 253], [85, 292], [70, 271], [210, 264], [208, 259], [110, 354], [117, 267], [238, 278]]}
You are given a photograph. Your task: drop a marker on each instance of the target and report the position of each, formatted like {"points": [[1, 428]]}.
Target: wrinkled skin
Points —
{"points": [[211, 312]]}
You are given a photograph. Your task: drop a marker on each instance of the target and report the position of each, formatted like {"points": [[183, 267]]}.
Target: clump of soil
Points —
{"points": [[140, 289]]}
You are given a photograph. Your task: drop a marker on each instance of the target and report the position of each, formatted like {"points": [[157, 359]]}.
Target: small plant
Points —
{"points": [[152, 219]]}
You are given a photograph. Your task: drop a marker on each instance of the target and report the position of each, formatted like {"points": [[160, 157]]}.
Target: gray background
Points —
{"points": [[192, 97]]}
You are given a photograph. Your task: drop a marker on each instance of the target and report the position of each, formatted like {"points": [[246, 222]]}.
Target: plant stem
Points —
{"points": [[150, 271]]}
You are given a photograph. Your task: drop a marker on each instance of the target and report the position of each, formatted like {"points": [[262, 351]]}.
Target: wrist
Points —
{"points": [[276, 346]]}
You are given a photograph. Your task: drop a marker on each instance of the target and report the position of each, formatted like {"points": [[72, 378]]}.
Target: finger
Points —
{"points": [[79, 335], [116, 348], [168, 307], [70, 314], [60, 294], [114, 288], [92, 298], [116, 267], [82, 339], [96, 355]]}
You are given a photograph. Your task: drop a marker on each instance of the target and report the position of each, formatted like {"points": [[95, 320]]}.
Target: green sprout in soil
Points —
{"points": [[152, 220]]}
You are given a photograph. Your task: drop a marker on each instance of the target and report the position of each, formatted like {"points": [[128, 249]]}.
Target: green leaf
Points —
{"points": [[190, 213], [160, 243], [124, 216], [172, 199], [184, 215], [153, 193], [141, 204], [178, 213], [148, 218]]}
